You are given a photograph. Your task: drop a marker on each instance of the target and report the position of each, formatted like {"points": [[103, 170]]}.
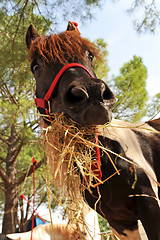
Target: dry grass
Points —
{"points": [[70, 150], [72, 145]]}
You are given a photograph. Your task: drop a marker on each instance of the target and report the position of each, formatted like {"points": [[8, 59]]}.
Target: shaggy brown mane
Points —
{"points": [[62, 48]]}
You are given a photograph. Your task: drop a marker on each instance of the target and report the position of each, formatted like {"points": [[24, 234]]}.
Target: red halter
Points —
{"points": [[43, 103]]}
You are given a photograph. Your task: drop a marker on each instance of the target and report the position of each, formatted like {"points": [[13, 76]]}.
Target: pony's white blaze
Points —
{"points": [[122, 132]]}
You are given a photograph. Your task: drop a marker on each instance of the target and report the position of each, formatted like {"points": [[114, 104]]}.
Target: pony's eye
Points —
{"points": [[90, 56], [35, 68]]}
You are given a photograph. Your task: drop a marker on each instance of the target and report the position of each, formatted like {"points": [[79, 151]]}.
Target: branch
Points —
{"points": [[4, 140], [4, 177], [17, 152], [42, 200], [3, 189], [2, 160], [36, 2], [12, 98], [21, 15], [5, 34], [3, 132], [26, 213], [22, 178]]}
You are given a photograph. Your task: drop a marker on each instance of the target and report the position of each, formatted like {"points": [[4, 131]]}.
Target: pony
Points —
{"points": [[83, 93], [128, 163]]}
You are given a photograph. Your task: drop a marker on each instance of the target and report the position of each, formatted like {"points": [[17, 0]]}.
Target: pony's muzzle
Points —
{"points": [[88, 103]]}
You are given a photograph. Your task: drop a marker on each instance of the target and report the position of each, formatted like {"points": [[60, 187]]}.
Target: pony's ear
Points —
{"points": [[72, 26], [31, 35]]}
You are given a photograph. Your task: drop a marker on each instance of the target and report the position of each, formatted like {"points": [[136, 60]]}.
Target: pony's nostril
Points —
{"points": [[76, 95], [106, 92], [79, 92]]}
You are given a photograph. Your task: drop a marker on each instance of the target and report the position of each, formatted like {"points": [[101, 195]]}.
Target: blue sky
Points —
{"points": [[114, 25]]}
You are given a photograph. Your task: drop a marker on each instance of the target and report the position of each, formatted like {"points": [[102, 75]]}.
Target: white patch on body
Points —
{"points": [[91, 220], [142, 231], [122, 132], [133, 235], [130, 235]]}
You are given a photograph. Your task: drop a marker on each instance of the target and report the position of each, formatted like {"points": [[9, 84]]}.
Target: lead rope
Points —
{"points": [[98, 156], [23, 197], [33, 207], [34, 164]]}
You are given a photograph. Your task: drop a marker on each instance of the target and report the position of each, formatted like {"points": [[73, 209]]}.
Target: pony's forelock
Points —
{"points": [[62, 48]]}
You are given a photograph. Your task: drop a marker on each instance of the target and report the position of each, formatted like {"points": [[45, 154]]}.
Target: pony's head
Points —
{"points": [[65, 81]]}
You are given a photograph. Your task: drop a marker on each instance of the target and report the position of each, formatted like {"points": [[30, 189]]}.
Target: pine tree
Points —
{"points": [[130, 90]]}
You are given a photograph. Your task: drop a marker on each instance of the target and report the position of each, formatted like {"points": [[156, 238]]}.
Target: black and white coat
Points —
{"points": [[133, 194]]}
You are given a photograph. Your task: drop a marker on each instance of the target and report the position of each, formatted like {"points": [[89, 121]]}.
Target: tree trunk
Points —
{"points": [[11, 194], [10, 210], [11, 183]]}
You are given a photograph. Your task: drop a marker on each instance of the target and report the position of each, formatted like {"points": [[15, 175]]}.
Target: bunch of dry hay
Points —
{"points": [[73, 146], [70, 151]]}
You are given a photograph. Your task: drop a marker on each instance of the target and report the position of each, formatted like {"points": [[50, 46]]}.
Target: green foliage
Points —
{"points": [[153, 107], [90, 2], [130, 90], [101, 66], [15, 78], [17, 86], [129, 87], [105, 229], [18, 114]]}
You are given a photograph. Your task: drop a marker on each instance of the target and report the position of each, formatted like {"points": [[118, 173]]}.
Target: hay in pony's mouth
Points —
{"points": [[74, 146], [70, 149]]}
